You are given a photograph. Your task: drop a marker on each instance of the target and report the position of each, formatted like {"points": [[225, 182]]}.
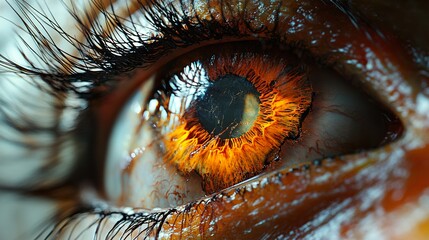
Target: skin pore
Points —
{"points": [[378, 194]]}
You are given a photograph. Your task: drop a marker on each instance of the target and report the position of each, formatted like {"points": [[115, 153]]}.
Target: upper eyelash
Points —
{"points": [[100, 58]]}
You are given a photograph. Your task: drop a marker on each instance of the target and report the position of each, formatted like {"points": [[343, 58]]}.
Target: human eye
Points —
{"points": [[343, 195]]}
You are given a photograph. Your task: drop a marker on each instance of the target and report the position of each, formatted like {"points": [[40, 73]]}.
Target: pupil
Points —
{"points": [[229, 107]]}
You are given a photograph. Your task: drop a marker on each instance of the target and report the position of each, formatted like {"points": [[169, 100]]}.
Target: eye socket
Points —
{"points": [[257, 199], [178, 138]]}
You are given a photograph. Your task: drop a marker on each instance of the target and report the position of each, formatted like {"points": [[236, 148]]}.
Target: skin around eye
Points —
{"points": [[381, 193]]}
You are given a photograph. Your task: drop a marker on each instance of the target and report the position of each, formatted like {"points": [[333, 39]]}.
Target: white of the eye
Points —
{"points": [[150, 182], [341, 120]]}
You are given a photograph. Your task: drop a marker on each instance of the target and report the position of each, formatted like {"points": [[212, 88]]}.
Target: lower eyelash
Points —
{"points": [[133, 224], [125, 225]]}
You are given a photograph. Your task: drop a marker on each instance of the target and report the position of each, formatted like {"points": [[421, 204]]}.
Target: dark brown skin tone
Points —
{"points": [[377, 193], [405, 19]]}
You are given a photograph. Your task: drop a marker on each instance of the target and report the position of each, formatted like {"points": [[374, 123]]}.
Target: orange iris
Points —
{"points": [[284, 95]]}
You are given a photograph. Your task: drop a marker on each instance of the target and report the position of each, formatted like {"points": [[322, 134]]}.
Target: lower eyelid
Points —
{"points": [[279, 198]]}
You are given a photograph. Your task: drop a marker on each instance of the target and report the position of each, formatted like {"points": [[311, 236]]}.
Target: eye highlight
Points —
{"points": [[243, 107]]}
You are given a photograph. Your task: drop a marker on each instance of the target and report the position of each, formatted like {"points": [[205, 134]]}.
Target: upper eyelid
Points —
{"points": [[91, 70]]}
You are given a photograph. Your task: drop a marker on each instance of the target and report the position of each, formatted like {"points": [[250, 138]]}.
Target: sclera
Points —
{"points": [[135, 174]]}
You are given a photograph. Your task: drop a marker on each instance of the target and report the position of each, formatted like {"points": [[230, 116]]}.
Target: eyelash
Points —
{"points": [[111, 54], [114, 57]]}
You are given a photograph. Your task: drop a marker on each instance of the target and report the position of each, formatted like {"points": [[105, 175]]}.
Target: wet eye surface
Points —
{"points": [[221, 114]]}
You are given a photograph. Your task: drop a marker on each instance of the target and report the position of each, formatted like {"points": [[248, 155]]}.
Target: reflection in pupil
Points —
{"points": [[229, 107]]}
